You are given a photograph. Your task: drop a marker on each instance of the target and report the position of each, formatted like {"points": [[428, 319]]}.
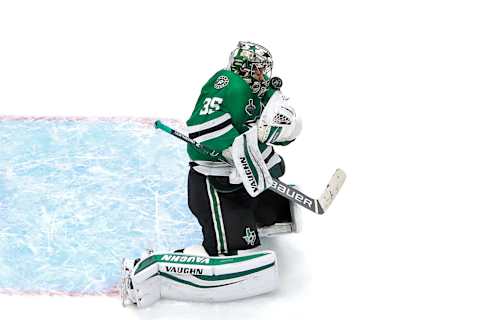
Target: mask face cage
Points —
{"points": [[253, 63]]}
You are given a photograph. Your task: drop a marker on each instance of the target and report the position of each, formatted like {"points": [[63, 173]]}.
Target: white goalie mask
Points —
{"points": [[279, 123], [253, 63]]}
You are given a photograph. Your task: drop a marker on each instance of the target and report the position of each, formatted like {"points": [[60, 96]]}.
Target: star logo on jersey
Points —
{"points": [[250, 107], [221, 82], [250, 237]]}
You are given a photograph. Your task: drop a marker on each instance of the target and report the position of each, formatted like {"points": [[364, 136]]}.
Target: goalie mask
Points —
{"points": [[253, 63]]}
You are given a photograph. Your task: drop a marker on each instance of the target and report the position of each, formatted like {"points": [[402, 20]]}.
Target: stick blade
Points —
{"points": [[332, 189]]}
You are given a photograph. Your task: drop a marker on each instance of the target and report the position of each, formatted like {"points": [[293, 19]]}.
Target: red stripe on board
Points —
{"points": [[110, 293]]}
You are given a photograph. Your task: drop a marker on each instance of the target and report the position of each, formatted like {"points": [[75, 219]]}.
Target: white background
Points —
{"points": [[389, 91]]}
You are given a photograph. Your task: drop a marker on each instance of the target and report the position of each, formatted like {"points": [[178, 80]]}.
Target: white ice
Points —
{"points": [[78, 195]]}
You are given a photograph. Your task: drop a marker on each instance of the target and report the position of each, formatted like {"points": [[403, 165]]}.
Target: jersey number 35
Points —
{"points": [[210, 105]]}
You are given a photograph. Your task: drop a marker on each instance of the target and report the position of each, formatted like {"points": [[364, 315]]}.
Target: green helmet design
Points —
{"points": [[253, 63]]}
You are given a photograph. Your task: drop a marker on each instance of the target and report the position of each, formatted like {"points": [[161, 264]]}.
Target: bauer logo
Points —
{"points": [[292, 194], [185, 259]]}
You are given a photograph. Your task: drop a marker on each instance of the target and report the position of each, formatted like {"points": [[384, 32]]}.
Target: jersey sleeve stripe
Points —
{"points": [[213, 164], [219, 126], [209, 124], [215, 134]]}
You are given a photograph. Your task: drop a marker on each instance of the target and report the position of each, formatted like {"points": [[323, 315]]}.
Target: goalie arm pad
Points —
{"points": [[250, 167], [279, 124]]}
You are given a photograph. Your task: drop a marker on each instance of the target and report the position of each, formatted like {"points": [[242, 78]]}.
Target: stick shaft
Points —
{"points": [[278, 187]]}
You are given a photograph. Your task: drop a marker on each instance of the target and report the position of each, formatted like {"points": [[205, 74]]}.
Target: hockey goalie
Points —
{"points": [[242, 114]]}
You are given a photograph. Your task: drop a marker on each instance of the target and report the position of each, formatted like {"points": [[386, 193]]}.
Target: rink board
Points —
{"points": [[79, 194]]}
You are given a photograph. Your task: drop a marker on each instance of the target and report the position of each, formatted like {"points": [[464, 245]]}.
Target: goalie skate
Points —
{"points": [[127, 293]]}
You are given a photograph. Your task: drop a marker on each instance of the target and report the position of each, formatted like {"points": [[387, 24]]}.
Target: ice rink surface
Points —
{"points": [[78, 195], [388, 91]]}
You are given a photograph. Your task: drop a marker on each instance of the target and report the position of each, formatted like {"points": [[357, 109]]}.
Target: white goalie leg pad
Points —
{"points": [[187, 277]]}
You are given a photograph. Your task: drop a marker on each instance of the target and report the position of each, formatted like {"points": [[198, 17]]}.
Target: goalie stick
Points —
{"points": [[319, 205]]}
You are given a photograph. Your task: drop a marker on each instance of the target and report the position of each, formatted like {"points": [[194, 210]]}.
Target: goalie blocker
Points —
{"points": [[189, 277]]}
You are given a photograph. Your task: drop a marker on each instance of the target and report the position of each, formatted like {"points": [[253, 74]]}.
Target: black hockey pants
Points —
{"points": [[229, 220]]}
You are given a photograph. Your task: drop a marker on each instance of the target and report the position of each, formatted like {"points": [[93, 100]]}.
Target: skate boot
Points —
{"points": [[127, 292]]}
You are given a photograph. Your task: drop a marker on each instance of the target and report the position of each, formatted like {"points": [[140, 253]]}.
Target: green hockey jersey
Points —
{"points": [[224, 110]]}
